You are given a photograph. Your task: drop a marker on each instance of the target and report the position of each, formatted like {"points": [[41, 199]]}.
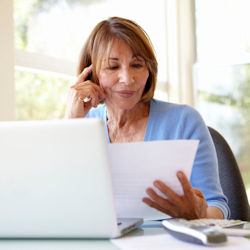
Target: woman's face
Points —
{"points": [[123, 77]]}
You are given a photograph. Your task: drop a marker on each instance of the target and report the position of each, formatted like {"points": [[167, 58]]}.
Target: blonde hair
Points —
{"points": [[99, 43]]}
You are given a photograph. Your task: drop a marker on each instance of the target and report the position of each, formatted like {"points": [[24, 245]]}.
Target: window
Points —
{"points": [[222, 73], [48, 37]]}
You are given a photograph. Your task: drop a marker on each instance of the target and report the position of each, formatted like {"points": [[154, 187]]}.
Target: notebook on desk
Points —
{"points": [[55, 181]]}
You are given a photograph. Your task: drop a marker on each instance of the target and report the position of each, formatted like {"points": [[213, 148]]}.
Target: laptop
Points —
{"points": [[55, 181]]}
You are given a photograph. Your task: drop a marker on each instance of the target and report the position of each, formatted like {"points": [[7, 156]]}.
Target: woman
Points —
{"points": [[117, 67]]}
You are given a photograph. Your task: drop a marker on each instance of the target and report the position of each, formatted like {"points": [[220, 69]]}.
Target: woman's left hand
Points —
{"points": [[190, 205]]}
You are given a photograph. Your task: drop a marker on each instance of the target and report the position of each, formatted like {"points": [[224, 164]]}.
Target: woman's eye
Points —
{"points": [[137, 65], [112, 67]]}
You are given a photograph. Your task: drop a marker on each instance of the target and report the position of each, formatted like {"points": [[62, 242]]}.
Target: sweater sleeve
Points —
{"points": [[205, 174]]}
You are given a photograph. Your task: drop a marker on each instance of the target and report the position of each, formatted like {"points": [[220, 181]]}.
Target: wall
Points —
{"points": [[7, 83]]}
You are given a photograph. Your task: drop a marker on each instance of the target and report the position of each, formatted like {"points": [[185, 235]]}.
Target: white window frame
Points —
{"points": [[7, 84], [181, 50], [43, 63]]}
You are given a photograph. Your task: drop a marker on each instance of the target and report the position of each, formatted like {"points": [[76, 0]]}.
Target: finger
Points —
{"points": [[156, 206], [164, 203], [98, 89], [173, 197], [90, 96], [100, 95], [98, 98], [186, 185], [83, 76], [89, 93], [198, 192]]}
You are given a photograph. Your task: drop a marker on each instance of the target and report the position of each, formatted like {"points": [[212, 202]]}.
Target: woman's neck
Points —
{"points": [[125, 117], [127, 125]]}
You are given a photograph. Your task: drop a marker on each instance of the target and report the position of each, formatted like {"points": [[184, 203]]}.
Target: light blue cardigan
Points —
{"points": [[168, 121]]}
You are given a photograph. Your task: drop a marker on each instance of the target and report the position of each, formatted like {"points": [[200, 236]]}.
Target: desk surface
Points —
{"points": [[145, 237]]}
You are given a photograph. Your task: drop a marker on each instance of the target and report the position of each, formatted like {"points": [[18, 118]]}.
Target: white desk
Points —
{"points": [[143, 238]]}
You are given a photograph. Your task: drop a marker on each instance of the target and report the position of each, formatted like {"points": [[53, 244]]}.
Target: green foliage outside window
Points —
{"points": [[40, 96], [239, 100]]}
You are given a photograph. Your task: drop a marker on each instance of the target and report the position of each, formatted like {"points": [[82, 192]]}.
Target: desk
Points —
{"points": [[146, 237]]}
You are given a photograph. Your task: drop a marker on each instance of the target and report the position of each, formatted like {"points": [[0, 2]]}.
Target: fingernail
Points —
{"points": [[179, 174], [157, 184]]}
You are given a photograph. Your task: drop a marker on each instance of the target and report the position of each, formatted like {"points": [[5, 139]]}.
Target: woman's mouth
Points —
{"points": [[125, 93]]}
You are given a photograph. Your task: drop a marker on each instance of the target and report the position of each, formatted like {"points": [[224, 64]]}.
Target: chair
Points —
{"points": [[230, 178]]}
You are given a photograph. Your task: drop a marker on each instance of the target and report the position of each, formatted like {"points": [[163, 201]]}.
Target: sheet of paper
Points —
{"points": [[158, 238], [135, 166]]}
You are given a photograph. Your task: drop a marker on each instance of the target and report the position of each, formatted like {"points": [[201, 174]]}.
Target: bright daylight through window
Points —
{"points": [[48, 37], [222, 73]]}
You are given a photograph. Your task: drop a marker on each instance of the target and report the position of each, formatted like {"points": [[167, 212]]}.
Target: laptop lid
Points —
{"points": [[55, 180]]}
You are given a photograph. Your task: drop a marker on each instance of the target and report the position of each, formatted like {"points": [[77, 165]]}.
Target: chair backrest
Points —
{"points": [[230, 178]]}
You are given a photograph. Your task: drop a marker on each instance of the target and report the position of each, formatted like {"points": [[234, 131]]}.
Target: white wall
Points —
{"points": [[7, 83]]}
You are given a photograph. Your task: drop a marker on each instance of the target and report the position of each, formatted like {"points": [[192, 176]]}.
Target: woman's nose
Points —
{"points": [[126, 76]]}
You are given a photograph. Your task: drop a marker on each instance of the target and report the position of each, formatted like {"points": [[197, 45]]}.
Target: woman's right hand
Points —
{"points": [[83, 95]]}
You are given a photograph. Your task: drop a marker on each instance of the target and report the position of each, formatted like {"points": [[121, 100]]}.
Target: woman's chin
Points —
{"points": [[123, 104]]}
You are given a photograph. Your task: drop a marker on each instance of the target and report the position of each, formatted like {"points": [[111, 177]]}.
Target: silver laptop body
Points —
{"points": [[55, 181]]}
